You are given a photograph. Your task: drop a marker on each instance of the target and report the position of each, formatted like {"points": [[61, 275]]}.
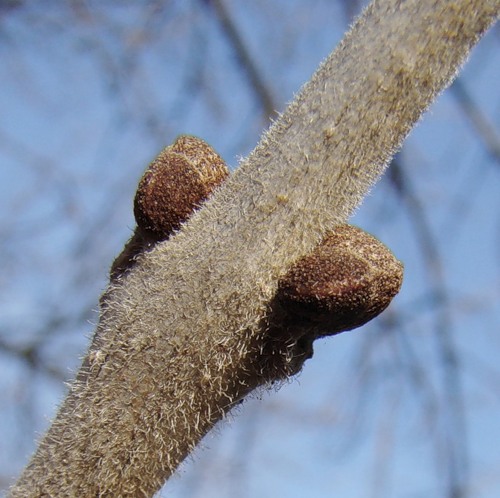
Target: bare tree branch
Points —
{"points": [[454, 444], [477, 118], [181, 337], [256, 80]]}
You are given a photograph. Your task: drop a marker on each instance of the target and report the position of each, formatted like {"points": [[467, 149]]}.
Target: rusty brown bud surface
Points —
{"points": [[175, 184], [349, 279]]}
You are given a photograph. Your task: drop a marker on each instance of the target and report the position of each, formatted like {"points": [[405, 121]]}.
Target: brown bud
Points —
{"points": [[175, 184], [349, 279]]}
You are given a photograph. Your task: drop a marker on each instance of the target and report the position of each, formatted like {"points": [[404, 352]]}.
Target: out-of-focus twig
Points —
{"points": [[246, 61], [454, 448], [483, 126]]}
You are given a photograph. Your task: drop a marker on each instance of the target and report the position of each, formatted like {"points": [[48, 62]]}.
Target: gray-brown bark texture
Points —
{"points": [[180, 337]]}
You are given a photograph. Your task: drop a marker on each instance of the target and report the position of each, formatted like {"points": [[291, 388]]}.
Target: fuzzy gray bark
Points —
{"points": [[180, 338]]}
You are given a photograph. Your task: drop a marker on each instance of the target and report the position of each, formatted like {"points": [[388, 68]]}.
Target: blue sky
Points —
{"points": [[89, 96]]}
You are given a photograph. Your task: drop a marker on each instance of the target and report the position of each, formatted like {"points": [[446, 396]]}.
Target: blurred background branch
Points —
{"points": [[91, 91]]}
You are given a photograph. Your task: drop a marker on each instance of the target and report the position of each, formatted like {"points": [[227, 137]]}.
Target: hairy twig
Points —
{"points": [[182, 335]]}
